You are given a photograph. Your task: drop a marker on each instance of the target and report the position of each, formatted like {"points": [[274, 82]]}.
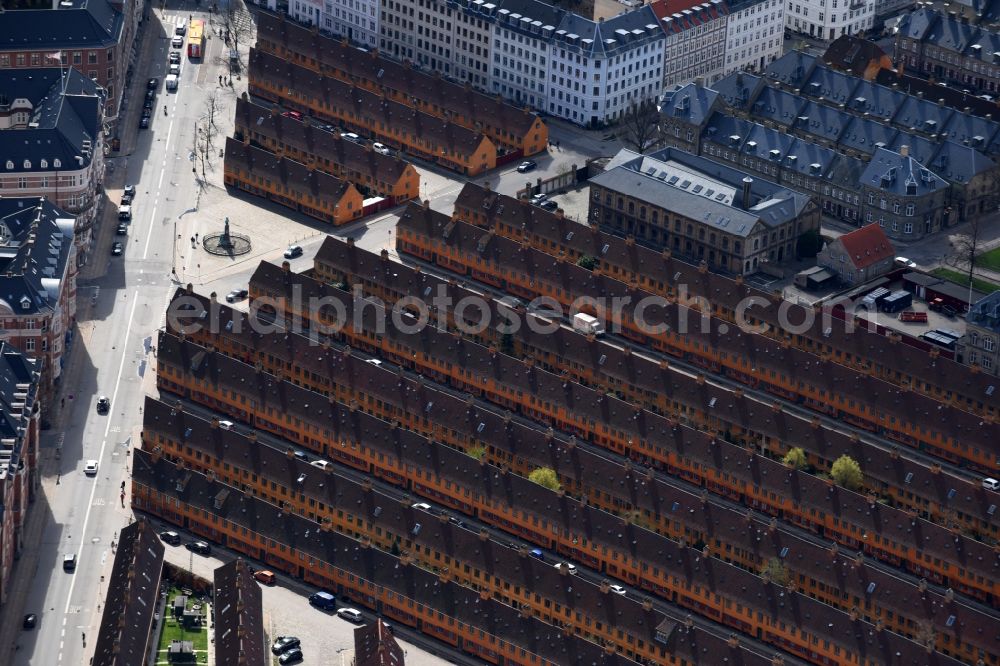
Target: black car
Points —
{"points": [[526, 166], [103, 405], [153, 84], [171, 537], [144, 122], [117, 249], [174, 58], [147, 112], [150, 94], [30, 620], [236, 295], [148, 103], [122, 229], [293, 656], [549, 205], [284, 644], [199, 547]]}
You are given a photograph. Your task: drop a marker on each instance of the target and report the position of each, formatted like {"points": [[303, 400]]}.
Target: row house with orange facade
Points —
{"points": [[893, 359], [636, 494], [374, 115], [291, 184], [512, 129], [891, 473], [370, 171], [392, 585], [689, 332], [620, 549]]}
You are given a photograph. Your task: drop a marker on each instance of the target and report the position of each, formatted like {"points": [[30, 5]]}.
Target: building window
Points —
{"points": [[908, 228], [987, 363], [988, 344], [29, 345], [909, 210]]}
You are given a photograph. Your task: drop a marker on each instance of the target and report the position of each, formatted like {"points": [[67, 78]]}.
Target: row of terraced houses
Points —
{"points": [[694, 542]]}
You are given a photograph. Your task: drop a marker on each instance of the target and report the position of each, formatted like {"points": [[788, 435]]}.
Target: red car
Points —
{"points": [[295, 115]]}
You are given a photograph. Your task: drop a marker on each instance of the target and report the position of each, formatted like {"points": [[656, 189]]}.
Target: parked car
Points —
{"points": [[423, 506], [122, 229], [293, 251], [153, 84], [323, 600], [293, 656], [69, 562], [148, 102], [175, 68], [905, 263], [264, 576], [618, 589], [174, 57], [381, 148], [171, 537], [30, 620], [549, 205], [294, 115], [146, 113], [537, 199], [284, 644], [199, 547], [526, 166], [129, 192], [144, 122], [567, 566], [351, 615], [150, 94], [90, 469], [236, 295], [177, 42], [117, 249], [351, 136], [103, 405]]}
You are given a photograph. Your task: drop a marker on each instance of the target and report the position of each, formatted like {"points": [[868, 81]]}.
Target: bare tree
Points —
{"points": [[205, 132], [639, 126], [237, 30], [967, 247], [213, 108]]}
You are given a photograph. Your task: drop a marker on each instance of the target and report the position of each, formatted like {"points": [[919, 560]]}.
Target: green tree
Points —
{"points": [[796, 458], [809, 244], [587, 261], [545, 476], [477, 452], [776, 571], [847, 472]]}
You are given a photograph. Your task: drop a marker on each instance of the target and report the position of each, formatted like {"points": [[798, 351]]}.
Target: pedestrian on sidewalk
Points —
{"points": [[220, 79]]}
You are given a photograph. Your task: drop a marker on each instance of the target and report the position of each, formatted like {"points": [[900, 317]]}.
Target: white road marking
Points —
{"points": [[104, 444], [159, 186]]}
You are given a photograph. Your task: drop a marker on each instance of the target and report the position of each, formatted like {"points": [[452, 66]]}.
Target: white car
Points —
{"points": [[381, 148], [570, 568], [90, 469], [351, 615], [351, 136], [175, 68], [905, 263], [618, 589], [177, 42], [226, 425], [423, 506]]}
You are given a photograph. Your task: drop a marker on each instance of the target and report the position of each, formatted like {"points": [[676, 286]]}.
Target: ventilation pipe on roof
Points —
{"points": [[747, 182]]}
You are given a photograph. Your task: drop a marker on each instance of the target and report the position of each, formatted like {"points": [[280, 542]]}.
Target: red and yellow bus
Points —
{"points": [[196, 38]]}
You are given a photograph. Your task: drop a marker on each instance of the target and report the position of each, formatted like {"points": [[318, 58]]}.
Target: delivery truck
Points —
{"points": [[588, 325]]}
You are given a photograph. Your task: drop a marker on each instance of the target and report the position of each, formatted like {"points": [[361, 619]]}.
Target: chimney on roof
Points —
{"points": [[384, 255], [904, 150], [560, 213], [747, 182], [427, 204], [189, 288], [350, 242], [285, 267], [699, 81]]}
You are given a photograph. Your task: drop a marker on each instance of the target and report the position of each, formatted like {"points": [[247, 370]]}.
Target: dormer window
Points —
{"points": [[10, 164], [56, 163], [27, 164], [44, 164], [25, 303]]}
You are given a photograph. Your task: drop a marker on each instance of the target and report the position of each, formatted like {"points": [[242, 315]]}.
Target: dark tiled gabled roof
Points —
{"points": [[133, 592], [239, 615], [255, 119], [295, 176], [496, 115], [37, 257], [380, 568], [726, 292], [363, 107]]}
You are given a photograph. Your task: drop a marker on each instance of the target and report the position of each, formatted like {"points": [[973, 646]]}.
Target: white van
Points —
{"points": [[181, 26], [990, 483], [171, 82]]}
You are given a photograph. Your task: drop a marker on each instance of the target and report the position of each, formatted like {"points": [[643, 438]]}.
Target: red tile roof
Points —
{"points": [[867, 246]]}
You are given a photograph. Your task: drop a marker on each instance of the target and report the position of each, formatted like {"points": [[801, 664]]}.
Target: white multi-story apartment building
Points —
{"points": [[52, 140], [755, 33], [355, 20], [695, 40], [829, 19]]}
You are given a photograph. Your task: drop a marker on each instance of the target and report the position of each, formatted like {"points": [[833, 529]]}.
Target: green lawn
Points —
{"points": [[990, 260], [961, 278], [172, 632]]}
